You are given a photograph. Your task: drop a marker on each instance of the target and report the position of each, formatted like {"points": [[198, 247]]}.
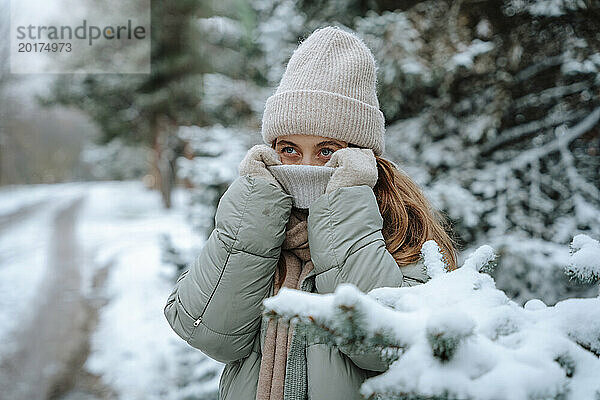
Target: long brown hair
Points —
{"points": [[409, 220]]}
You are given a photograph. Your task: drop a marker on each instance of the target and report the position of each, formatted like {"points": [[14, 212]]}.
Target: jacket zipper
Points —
{"points": [[197, 321]]}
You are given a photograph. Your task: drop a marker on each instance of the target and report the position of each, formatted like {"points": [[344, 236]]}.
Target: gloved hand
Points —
{"points": [[353, 166], [256, 160]]}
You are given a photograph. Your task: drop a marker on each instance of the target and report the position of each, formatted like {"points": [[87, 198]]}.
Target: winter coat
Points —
{"points": [[216, 304]]}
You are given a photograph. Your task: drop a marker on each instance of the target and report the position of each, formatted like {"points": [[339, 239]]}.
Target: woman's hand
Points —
{"points": [[256, 161], [353, 167]]}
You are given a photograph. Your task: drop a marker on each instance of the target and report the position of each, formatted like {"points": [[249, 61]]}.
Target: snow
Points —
{"points": [[14, 197], [217, 151], [480, 258], [446, 329], [465, 58], [222, 150], [281, 25], [459, 335], [534, 304], [538, 262], [459, 202], [116, 159], [134, 348], [484, 28], [546, 8], [220, 90], [218, 27], [398, 57], [432, 258], [585, 259]]}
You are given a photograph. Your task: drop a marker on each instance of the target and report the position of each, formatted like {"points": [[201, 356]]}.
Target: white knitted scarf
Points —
{"points": [[305, 183]]}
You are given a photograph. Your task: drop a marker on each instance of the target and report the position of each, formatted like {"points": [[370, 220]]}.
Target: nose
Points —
{"points": [[308, 160]]}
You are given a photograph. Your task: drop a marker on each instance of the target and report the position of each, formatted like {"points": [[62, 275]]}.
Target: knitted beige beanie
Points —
{"points": [[328, 89]]}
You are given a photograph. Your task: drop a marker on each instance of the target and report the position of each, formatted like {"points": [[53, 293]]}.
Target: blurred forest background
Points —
{"points": [[493, 107]]}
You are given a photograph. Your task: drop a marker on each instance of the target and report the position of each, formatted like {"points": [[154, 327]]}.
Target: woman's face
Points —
{"points": [[307, 149]]}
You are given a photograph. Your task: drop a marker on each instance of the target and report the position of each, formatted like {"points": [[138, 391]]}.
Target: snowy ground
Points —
{"points": [[84, 289]]}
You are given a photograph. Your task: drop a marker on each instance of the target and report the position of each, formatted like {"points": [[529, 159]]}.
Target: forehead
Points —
{"points": [[307, 139]]}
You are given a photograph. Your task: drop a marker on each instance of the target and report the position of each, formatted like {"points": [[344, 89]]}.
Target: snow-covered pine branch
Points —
{"points": [[483, 259], [432, 258], [344, 319], [585, 259], [457, 336]]}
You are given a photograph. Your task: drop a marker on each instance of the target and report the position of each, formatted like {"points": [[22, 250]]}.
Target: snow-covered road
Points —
{"points": [[56, 313], [84, 288]]}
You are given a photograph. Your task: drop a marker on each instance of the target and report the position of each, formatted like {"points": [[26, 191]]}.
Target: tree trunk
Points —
{"points": [[165, 154]]}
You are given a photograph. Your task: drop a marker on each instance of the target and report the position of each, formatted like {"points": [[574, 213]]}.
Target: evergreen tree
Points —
{"points": [[493, 107], [213, 154], [146, 109]]}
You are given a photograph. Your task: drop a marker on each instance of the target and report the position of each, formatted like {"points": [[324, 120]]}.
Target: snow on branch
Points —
{"points": [[433, 258], [585, 259], [344, 319], [457, 336], [566, 137], [446, 330], [482, 259], [519, 133], [544, 8]]}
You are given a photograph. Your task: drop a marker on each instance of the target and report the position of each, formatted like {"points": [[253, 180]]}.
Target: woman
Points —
{"points": [[315, 206]]}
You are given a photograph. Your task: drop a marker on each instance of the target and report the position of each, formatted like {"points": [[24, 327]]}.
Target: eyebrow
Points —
{"points": [[324, 142]]}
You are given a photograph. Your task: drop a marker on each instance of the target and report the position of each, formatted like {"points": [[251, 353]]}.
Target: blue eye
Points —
{"points": [[327, 148], [283, 149]]}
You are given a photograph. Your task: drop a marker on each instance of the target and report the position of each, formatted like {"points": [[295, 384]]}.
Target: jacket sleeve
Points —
{"points": [[347, 246], [216, 303]]}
